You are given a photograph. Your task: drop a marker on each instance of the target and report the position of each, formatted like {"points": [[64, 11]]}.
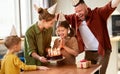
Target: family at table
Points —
{"points": [[83, 31]]}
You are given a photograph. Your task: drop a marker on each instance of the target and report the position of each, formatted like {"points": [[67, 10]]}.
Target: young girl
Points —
{"points": [[67, 43], [11, 64]]}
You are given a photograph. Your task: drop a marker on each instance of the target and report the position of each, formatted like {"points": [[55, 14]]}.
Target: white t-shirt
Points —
{"points": [[91, 43]]}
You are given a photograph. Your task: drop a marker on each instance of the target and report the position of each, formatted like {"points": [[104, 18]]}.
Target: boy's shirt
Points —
{"points": [[11, 64]]}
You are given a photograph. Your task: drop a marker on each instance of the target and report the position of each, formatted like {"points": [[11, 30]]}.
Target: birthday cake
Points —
{"points": [[54, 54]]}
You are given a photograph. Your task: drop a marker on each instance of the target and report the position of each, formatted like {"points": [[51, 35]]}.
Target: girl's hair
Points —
{"points": [[44, 14], [10, 41], [65, 24]]}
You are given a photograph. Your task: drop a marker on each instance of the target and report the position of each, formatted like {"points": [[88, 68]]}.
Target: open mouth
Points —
{"points": [[62, 35], [81, 17]]}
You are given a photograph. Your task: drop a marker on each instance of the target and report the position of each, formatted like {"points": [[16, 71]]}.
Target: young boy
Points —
{"points": [[11, 64]]}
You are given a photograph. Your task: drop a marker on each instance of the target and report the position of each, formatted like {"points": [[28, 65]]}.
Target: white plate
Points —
{"points": [[56, 60]]}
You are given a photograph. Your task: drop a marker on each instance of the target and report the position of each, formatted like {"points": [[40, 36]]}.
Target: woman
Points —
{"points": [[38, 38], [67, 43]]}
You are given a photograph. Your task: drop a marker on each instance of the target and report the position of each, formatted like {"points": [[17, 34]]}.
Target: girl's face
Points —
{"points": [[62, 32], [49, 24]]}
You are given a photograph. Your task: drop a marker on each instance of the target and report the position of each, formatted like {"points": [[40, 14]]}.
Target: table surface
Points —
{"points": [[65, 70]]}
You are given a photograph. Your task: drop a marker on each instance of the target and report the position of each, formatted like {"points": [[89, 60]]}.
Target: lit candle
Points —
{"points": [[58, 50], [51, 52]]}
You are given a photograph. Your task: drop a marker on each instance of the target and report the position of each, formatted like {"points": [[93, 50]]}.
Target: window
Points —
{"points": [[28, 14], [19, 13], [7, 17], [115, 25], [25, 12]]}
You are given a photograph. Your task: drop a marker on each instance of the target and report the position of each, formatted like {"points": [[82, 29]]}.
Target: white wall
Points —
{"points": [[65, 6]]}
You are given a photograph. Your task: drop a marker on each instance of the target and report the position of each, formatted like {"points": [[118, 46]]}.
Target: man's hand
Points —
{"points": [[115, 3]]}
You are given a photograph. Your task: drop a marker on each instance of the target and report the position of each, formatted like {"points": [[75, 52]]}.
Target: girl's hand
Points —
{"points": [[61, 43]]}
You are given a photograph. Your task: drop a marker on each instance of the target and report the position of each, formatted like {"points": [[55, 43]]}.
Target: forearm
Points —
{"points": [[40, 58], [115, 3], [35, 55]]}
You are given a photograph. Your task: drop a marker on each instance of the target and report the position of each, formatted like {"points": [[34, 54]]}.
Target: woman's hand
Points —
{"points": [[43, 59], [40, 58]]}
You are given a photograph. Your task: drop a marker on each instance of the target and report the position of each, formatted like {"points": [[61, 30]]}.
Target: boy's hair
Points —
{"points": [[10, 41]]}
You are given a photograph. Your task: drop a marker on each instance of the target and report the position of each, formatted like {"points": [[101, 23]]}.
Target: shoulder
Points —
{"points": [[9, 57], [70, 15], [13, 56], [31, 28], [71, 18], [73, 39]]}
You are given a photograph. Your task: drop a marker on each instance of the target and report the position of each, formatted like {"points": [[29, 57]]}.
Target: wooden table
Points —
{"points": [[66, 70]]}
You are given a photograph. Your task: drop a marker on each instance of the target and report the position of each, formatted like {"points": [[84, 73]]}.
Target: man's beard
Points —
{"points": [[82, 17]]}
